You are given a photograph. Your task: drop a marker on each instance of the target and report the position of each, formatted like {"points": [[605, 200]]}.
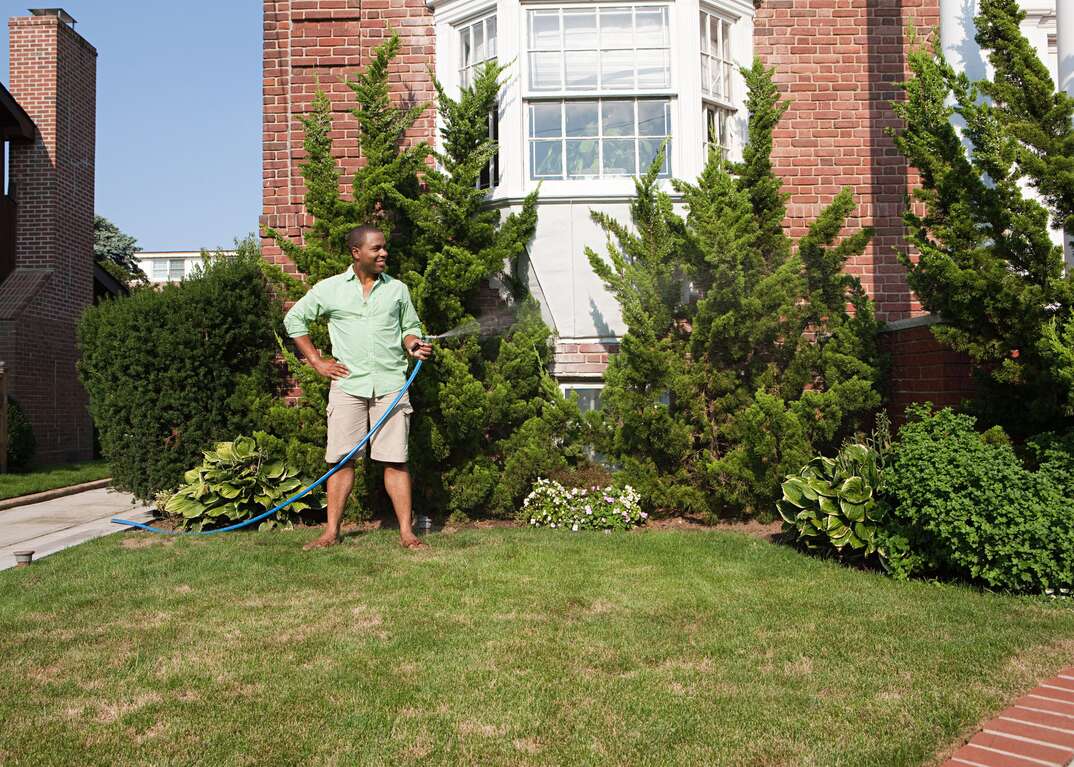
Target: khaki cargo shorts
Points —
{"points": [[350, 418]]}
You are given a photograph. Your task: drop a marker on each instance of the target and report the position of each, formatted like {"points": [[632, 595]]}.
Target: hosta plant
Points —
{"points": [[550, 504], [239, 480], [831, 504]]}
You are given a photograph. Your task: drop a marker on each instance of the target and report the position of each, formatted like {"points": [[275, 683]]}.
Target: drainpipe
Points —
{"points": [[1064, 39]]}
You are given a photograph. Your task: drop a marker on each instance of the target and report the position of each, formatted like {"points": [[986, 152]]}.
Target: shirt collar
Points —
{"points": [[382, 277]]}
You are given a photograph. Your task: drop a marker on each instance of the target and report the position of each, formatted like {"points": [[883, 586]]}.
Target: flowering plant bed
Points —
{"points": [[550, 504]]}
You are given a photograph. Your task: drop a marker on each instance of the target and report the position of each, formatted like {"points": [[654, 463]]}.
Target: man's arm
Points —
{"points": [[296, 322], [329, 368], [415, 346]]}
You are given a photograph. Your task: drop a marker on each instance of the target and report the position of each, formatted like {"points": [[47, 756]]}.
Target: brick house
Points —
{"points": [[47, 278], [595, 86]]}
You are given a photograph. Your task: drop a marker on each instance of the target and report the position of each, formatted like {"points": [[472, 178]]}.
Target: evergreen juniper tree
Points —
{"points": [[986, 261], [711, 401], [488, 416]]}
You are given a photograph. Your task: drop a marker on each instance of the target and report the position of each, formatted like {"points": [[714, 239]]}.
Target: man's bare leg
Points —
{"points": [[397, 483], [339, 489]]}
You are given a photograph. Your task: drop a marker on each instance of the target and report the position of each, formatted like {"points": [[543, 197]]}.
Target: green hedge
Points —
{"points": [[973, 511], [171, 371]]}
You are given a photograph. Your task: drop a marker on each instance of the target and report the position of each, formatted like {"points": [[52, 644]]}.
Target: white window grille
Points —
{"points": [[716, 131], [716, 63], [597, 138], [610, 48]]}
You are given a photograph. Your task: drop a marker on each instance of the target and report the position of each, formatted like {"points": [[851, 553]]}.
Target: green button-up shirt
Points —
{"points": [[367, 332]]}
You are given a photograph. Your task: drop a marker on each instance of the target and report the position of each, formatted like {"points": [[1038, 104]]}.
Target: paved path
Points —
{"points": [[52, 526], [1037, 731]]}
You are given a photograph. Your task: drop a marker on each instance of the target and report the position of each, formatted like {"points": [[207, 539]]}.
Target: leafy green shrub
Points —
{"points": [[172, 371], [239, 480], [832, 505], [971, 510], [21, 443], [550, 504]]}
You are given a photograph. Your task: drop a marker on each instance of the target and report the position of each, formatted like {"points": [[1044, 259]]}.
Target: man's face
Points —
{"points": [[371, 256]]}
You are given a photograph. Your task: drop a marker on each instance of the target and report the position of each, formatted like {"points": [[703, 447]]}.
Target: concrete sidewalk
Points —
{"points": [[52, 526]]}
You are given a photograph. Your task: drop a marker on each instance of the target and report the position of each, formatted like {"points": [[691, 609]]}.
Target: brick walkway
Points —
{"points": [[1037, 731]]}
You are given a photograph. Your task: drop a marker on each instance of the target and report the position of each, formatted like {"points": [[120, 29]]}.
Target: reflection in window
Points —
{"points": [[716, 63], [623, 48], [716, 130], [597, 138]]}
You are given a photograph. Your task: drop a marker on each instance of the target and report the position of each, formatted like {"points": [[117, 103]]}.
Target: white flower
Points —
{"points": [[575, 527], [553, 524], [644, 515]]}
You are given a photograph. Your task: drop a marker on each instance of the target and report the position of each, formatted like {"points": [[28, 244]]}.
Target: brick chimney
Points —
{"points": [[53, 77]]}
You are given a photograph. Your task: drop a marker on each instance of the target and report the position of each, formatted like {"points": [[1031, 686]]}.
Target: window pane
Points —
{"points": [[545, 120], [654, 69], [544, 72], [490, 36], [582, 158], [546, 159], [647, 149], [652, 26], [727, 80], [714, 36], [479, 42], [176, 267], [618, 117], [581, 117], [465, 49], [616, 28], [617, 70], [619, 157], [581, 70], [716, 86], [726, 52], [704, 33], [579, 29], [544, 30], [706, 77], [653, 118]]}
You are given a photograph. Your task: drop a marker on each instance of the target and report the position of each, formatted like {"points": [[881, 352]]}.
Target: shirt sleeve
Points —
{"points": [[409, 323], [298, 318]]}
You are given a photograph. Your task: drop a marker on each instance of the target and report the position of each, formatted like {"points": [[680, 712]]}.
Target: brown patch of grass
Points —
{"points": [[803, 666], [469, 728], [527, 745]]}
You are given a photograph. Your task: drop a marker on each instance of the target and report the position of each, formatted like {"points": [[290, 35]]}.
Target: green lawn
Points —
{"points": [[14, 485], [499, 647]]}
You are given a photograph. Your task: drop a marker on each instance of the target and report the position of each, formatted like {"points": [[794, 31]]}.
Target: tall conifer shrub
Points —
{"points": [[489, 418], [987, 264], [741, 359]]}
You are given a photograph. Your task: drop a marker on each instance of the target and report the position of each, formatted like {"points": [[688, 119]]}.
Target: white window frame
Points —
{"points": [[619, 184], [688, 150], [599, 137]]}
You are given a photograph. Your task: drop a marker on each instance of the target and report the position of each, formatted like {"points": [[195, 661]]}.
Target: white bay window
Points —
{"points": [[477, 47]]}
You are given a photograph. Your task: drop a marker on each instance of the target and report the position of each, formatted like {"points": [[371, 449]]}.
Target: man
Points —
{"points": [[373, 326]]}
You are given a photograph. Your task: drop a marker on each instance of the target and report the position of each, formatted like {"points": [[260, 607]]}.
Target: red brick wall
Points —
{"points": [[840, 61], [317, 44], [53, 77], [922, 370]]}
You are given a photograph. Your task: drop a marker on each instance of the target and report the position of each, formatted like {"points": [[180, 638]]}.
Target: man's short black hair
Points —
{"points": [[357, 235]]}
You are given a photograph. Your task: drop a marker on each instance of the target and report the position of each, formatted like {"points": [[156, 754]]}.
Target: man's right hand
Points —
{"points": [[330, 369]]}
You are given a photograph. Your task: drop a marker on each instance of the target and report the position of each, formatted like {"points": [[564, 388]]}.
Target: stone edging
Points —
{"points": [[57, 492]]}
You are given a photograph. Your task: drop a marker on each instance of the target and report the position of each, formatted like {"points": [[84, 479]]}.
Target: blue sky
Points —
{"points": [[178, 115]]}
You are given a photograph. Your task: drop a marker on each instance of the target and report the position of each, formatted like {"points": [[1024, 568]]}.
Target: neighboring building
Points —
{"points": [[48, 114], [172, 266], [594, 88]]}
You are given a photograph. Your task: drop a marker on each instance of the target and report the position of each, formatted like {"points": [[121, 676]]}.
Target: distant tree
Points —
{"points": [[114, 250]]}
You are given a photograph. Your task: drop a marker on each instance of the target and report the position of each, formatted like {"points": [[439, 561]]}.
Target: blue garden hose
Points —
{"points": [[342, 462]]}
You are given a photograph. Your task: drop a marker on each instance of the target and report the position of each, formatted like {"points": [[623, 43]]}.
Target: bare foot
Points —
{"points": [[411, 542], [322, 543]]}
